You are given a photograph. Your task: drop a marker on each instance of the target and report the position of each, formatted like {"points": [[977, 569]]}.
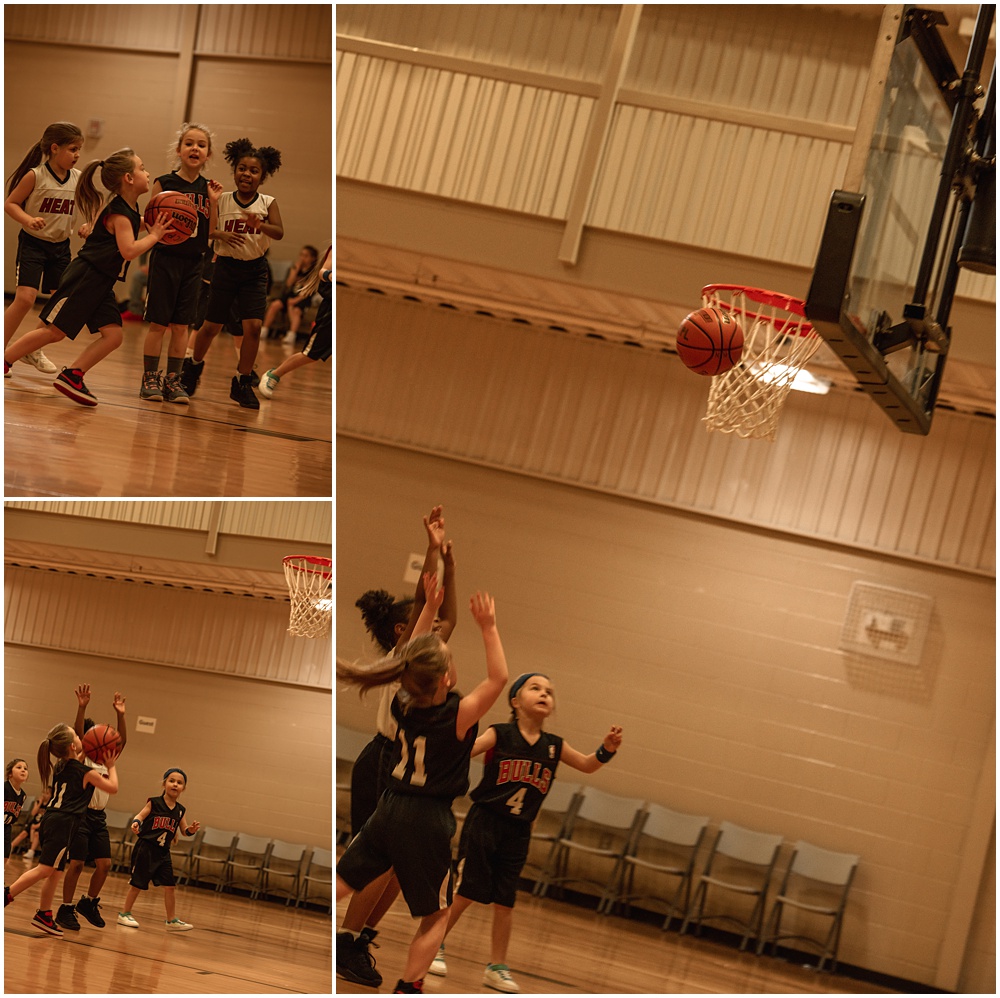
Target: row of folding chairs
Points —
{"points": [[234, 861], [644, 844]]}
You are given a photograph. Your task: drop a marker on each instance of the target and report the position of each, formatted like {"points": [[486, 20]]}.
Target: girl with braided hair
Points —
{"points": [[247, 222]]}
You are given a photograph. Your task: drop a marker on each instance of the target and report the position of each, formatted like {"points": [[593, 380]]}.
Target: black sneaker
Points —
{"points": [[242, 392], [354, 962], [6, 896], [70, 383], [89, 908], [409, 987], [43, 920], [190, 373], [66, 917]]}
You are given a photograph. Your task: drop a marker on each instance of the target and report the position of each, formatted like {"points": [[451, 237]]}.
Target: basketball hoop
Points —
{"points": [[309, 583], [747, 399]]}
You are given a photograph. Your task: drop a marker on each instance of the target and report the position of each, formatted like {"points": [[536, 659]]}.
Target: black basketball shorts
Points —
{"points": [[491, 854], [91, 840], [55, 833], [85, 297], [40, 263], [173, 289], [151, 863], [368, 779], [320, 345], [413, 836], [240, 282]]}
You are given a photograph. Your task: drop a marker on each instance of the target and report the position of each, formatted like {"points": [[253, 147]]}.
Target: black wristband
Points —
{"points": [[603, 755], [190, 831]]}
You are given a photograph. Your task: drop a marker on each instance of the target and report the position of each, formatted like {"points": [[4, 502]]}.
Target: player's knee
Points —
{"points": [[112, 334], [26, 295]]}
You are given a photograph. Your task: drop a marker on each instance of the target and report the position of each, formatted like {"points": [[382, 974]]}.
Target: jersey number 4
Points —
{"points": [[418, 777]]}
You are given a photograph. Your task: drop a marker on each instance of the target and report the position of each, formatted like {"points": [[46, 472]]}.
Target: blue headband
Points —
{"points": [[174, 769], [521, 680]]}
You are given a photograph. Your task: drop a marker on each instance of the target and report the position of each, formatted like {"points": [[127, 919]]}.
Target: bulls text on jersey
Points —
{"points": [[524, 771]]}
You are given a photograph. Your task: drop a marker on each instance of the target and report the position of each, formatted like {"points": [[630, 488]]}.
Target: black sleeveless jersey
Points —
{"points": [[69, 795], [100, 249], [516, 775], [162, 823], [427, 759], [12, 802], [197, 191]]}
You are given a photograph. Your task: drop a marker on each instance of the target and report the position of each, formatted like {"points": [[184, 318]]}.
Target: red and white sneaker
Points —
{"points": [[70, 383]]}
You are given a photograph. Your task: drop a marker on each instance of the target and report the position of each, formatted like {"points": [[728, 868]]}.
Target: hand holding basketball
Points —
{"points": [[161, 225], [101, 743]]}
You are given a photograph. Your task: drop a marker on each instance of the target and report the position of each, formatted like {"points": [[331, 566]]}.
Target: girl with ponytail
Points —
{"points": [[85, 296], [72, 785], [40, 198]]}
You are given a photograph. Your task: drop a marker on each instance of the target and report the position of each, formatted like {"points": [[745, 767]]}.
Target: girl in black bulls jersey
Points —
{"points": [[175, 271], [72, 787], [156, 825], [413, 823], [521, 760]]}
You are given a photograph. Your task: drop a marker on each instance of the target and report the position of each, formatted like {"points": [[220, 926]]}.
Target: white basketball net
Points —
{"points": [[747, 399], [309, 581]]}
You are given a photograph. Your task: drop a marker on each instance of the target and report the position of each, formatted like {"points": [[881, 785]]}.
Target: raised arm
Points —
{"points": [[448, 614], [433, 597], [434, 525], [82, 699], [593, 762], [119, 705], [475, 704], [485, 741]]}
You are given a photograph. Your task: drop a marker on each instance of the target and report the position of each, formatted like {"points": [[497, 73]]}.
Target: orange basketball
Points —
{"points": [[710, 341], [101, 742], [182, 213]]}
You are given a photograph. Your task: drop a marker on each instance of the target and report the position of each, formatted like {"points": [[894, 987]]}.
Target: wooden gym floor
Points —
{"points": [[561, 948], [127, 447], [237, 946]]}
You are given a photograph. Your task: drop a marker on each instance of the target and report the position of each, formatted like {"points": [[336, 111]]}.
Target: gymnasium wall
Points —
{"points": [[715, 645], [730, 125], [259, 70]]}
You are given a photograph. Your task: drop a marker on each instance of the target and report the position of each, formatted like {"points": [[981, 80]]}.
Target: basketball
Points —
{"points": [[100, 743], [182, 213], [710, 341]]}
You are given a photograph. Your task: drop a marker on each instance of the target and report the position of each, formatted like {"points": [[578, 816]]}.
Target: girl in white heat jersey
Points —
{"points": [[40, 197], [248, 221]]}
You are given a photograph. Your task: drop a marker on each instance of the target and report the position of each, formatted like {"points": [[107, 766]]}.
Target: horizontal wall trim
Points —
{"points": [[584, 88], [758, 528]]}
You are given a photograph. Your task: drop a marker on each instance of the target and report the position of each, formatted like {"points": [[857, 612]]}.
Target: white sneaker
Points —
{"points": [[268, 382], [125, 918], [439, 967], [37, 359], [176, 925], [498, 977], [289, 339]]}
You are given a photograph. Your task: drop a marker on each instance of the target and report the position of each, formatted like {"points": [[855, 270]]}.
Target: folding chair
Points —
{"points": [[210, 860], [600, 827], [319, 873], [284, 861], [559, 803], [816, 881], [245, 869], [665, 845], [741, 861], [119, 832], [181, 850]]}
